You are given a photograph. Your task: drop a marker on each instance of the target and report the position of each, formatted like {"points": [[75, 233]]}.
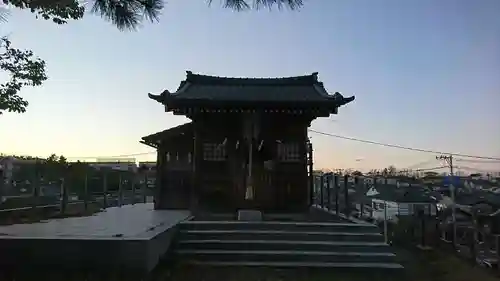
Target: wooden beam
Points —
{"points": [[153, 145]]}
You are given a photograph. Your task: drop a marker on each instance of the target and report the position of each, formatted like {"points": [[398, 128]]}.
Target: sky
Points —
{"points": [[425, 74]]}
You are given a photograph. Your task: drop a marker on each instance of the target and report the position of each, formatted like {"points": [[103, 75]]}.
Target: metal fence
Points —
{"points": [[337, 193], [474, 236], [30, 186]]}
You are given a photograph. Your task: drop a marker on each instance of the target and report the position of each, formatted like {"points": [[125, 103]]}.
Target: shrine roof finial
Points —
{"points": [[315, 76], [159, 98], [341, 100]]}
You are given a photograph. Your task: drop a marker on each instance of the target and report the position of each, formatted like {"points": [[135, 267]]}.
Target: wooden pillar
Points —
{"points": [[304, 178], [159, 186], [311, 176], [197, 160], [234, 168]]}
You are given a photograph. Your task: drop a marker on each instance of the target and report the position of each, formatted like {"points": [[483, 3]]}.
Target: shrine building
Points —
{"points": [[246, 146]]}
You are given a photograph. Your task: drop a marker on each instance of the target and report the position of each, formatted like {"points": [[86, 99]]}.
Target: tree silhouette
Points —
{"points": [[357, 173], [23, 69], [389, 171]]}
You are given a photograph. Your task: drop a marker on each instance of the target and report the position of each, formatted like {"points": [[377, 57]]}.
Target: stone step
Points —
{"points": [[336, 265], [284, 245], [244, 234], [284, 226], [285, 256]]}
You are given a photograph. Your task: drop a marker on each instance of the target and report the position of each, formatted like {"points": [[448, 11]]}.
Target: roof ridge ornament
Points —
{"points": [[338, 96], [159, 98], [315, 76], [341, 99]]}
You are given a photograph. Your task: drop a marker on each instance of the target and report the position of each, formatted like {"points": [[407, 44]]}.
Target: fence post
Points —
{"points": [[145, 189], [346, 195], [336, 183], [386, 238], [36, 184], [64, 196], [120, 190], [422, 228], [2, 182], [105, 189], [134, 181], [497, 249], [86, 191], [328, 192], [474, 237], [321, 187], [357, 189]]}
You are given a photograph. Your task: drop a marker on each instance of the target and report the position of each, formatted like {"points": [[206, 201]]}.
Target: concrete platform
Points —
{"points": [[131, 237]]}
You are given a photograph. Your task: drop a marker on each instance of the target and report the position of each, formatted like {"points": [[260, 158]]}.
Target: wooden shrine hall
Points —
{"points": [[247, 146]]}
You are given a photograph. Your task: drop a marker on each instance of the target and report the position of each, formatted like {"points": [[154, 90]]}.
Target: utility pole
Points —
{"points": [[449, 160]]}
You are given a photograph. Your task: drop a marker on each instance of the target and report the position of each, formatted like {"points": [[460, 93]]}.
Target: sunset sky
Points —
{"points": [[425, 74]]}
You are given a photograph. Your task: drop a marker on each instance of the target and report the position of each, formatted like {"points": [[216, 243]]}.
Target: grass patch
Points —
{"points": [[436, 265]]}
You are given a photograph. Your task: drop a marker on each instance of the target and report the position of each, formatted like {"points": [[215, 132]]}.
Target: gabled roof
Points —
{"points": [[297, 89]]}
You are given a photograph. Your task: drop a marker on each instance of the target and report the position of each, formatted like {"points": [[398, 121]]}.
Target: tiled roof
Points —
{"points": [[155, 138], [473, 197], [285, 89], [405, 194]]}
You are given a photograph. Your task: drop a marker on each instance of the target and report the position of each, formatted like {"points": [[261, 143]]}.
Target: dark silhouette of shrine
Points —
{"points": [[247, 146]]}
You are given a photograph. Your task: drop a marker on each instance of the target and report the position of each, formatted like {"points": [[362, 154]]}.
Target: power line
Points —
{"points": [[478, 161], [494, 159], [114, 156], [404, 147]]}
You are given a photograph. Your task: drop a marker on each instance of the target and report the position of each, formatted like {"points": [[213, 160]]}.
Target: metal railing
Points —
{"points": [[476, 237], [25, 191]]}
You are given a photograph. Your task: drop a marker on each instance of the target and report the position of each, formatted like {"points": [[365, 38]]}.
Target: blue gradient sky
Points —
{"points": [[425, 73]]}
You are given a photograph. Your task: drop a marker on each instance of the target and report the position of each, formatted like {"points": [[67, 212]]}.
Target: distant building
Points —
{"points": [[391, 201], [123, 164], [149, 165]]}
